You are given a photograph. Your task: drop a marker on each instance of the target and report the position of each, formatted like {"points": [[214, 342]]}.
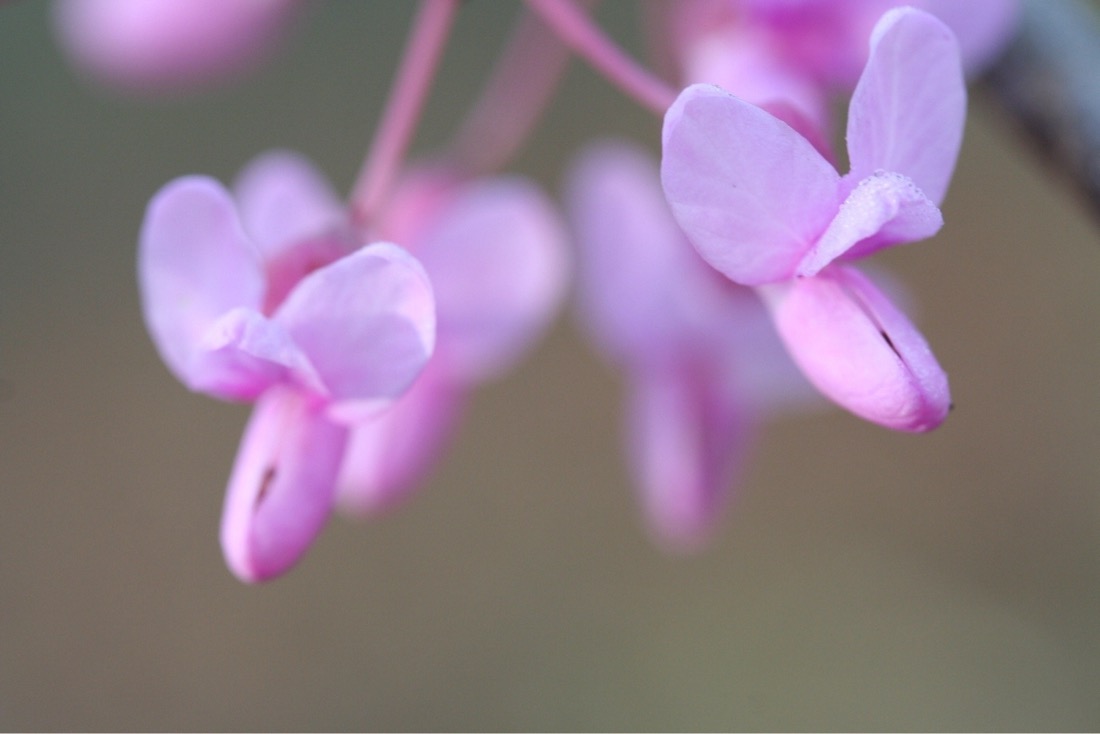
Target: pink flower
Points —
{"points": [[701, 358], [818, 41], [763, 206], [265, 299], [161, 45], [495, 252]]}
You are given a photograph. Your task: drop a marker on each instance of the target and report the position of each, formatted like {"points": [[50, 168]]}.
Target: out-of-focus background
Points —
{"points": [[864, 579]]}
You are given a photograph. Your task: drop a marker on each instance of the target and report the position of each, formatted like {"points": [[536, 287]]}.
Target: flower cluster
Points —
{"points": [[719, 280]]}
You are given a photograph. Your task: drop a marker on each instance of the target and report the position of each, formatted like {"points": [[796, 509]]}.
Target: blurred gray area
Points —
{"points": [[864, 579]]}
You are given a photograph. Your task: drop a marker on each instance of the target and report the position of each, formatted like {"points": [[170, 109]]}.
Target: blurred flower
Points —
{"points": [[265, 299], [701, 358], [170, 45], [763, 206], [495, 252], [818, 41]]}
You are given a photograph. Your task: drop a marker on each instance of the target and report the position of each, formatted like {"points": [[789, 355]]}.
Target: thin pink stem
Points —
{"points": [[578, 32], [523, 80], [410, 88]]}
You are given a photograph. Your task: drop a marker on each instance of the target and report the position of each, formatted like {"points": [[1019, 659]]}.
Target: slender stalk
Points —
{"points": [[511, 102], [578, 32], [423, 50]]}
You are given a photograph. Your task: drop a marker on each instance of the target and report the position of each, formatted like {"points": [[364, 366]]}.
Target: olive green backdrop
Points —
{"points": [[865, 579]]}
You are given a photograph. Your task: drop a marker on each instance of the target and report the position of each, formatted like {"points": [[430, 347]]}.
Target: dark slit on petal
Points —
{"points": [[889, 341], [265, 484]]}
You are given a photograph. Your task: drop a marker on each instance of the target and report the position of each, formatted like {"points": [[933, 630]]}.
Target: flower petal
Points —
{"points": [[859, 350], [243, 353], [884, 209], [281, 490], [640, 281], [496, 257], [687, 438], [194, 265], [283, 200], [909, 107], [751, 194], [366, 324], [388, 456]]}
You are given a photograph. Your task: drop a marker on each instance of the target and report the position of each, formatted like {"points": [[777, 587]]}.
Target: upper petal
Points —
{"points": [[283, 199], [496, 257], [909, 107], [282, 486], [195, 264], [366, 323], [860, 350], [750, 193]]}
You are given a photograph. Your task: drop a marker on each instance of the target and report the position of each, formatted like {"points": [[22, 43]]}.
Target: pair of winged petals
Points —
{"points": [[353, 334], [762, 205]]}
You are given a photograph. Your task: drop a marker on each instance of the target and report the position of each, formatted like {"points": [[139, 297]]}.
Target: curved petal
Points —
{"points": [[884, 209], [860, 351], [687, 438], [634, 264], [909, 107], [983, 27], [283, 199], [194, 265], [243, 354], [496, 257], [367, 325], [750, 193], [389, 456], [281, 490]]}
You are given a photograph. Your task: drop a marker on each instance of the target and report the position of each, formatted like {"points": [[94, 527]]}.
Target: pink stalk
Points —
{"points": [[522, 82], [410, 89], [578, 32]]}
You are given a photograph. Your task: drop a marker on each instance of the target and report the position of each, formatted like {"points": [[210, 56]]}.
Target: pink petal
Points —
{"points": [[751, 194], [496, 257], [243, 353], [283, 200], [908, 110], [366, 324], [389, 456], [194, 265], [164, 44], [686, 439], [983, 27], [884, 209], [632, 254], [859, 350], [281, 490], [643, 289]]}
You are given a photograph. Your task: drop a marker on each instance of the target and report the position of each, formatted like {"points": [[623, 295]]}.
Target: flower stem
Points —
{"points": [[523, 80], [423, 50], [578, 32]]}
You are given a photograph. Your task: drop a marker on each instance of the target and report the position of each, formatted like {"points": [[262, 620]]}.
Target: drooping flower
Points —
{"points": [[266, 299], [763, 206], [495, 252], [169, 45], [701, 360]]}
